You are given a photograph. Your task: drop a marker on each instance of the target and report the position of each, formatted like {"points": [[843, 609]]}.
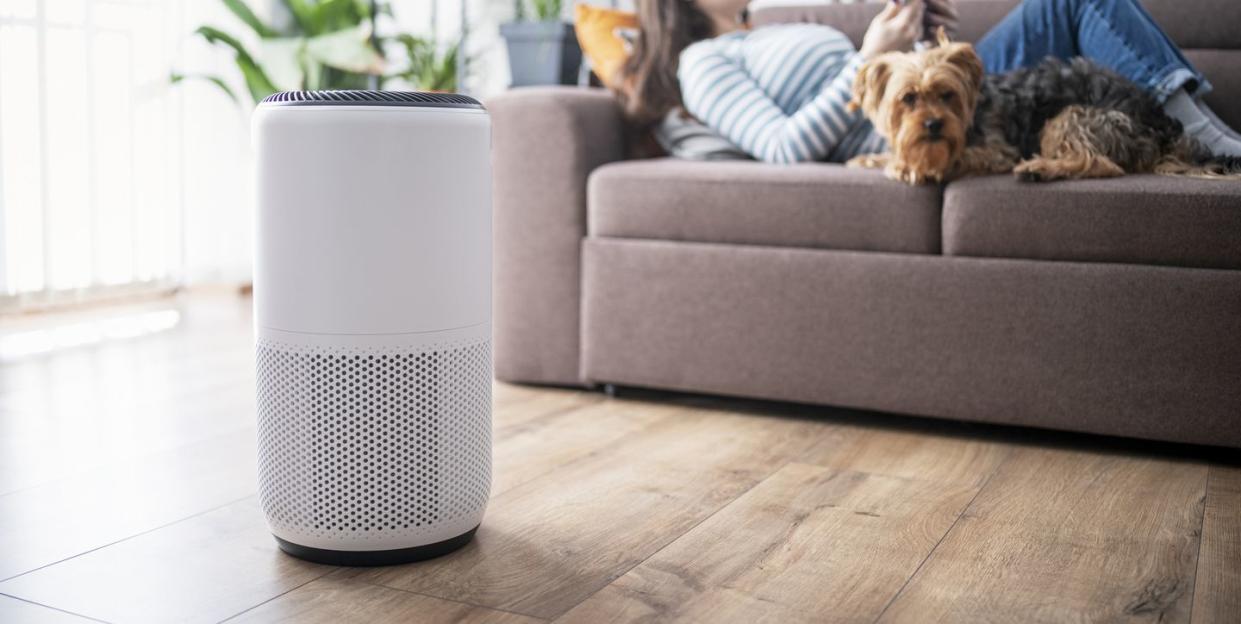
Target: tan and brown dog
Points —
{"points": [[944, 118]]}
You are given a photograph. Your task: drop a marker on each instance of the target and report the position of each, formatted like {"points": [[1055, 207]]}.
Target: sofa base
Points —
{"points": [[1141, 351]]}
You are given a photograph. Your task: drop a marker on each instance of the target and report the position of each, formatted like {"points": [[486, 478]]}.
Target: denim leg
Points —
{"points": [[1117, 34]]}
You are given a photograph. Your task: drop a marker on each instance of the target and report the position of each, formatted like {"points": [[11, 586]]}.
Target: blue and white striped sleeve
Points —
{"points": [[720, 93]]}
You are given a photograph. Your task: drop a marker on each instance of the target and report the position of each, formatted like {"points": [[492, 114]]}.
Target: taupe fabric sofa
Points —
{"points": [[1107, 306]]}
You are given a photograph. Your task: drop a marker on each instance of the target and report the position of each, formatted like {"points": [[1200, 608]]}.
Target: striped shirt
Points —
{"points": [[779, 93]]}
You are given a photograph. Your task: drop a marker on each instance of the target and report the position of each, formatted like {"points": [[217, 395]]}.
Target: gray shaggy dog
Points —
{"points": [[1122, 121], [1057, 120]]}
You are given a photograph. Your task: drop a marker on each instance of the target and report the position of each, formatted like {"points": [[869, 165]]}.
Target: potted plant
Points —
{"points": [[326, 44], [542, 50]]}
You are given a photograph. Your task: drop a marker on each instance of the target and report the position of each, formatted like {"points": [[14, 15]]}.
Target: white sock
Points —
{"points": [[1219, 123], [1198, 126]]}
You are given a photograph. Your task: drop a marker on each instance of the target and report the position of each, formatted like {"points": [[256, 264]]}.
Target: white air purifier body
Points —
{"points": [[372, 301]]}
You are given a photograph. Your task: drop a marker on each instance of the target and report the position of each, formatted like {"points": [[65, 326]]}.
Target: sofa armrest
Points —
{"points": [[545, 142]]}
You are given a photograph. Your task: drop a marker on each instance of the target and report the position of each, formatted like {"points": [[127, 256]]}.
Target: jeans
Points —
{"points": [[1117, 34]]}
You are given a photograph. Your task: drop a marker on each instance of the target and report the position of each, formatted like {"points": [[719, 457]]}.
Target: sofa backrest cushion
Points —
{"points": [[1209, 31]]}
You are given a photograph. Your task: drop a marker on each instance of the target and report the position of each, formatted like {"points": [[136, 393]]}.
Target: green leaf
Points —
{"points": [[416, 48], [284, 61], [314, 74], [257, 82], [176, 78], [307, 15], [243, 12], [214, 35], [428, 68], [349, 50], [446, 78], [546, 10], [340, 15]]}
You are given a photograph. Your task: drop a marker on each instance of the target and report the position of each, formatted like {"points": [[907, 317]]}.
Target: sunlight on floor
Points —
{"points": [[78, 334]]}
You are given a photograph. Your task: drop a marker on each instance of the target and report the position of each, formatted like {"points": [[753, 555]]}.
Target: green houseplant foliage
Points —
{"points": [[428, 69], [545, 10], [328, 44]]}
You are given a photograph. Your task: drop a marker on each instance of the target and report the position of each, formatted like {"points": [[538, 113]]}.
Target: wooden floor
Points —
{"points": [[127, 494]]}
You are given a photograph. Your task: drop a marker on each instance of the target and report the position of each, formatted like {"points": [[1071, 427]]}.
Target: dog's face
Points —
{"points": [[922, 103]]}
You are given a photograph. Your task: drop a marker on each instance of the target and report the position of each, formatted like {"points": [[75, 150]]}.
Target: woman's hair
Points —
{"points": [[648, 86]]}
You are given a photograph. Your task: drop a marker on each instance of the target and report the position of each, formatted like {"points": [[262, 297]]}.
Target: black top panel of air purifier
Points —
{"points": [[373, 98]]}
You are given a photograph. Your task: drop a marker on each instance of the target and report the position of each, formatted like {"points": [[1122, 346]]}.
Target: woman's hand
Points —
{"points": [[942, 13], [895, 29]]}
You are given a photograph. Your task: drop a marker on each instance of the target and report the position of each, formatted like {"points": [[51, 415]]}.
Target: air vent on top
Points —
{"points": [[374, 98]]}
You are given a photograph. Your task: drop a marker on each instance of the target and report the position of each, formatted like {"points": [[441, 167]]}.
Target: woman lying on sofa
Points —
{"points": [[779, 93]]}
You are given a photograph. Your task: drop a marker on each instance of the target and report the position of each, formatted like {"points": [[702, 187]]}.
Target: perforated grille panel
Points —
{"points": [[373, 444]]}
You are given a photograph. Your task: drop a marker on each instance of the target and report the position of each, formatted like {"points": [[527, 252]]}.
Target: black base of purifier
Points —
{"points": [[377, 557]]}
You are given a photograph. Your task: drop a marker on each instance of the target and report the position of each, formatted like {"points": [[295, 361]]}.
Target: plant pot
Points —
{"points": [[542, 53]]}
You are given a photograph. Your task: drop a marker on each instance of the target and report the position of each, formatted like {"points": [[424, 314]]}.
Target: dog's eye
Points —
{"points": [[909, 99], [947, 96]]}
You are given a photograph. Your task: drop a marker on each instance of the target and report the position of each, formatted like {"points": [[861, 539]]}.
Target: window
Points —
{"points": [[88, 184]]}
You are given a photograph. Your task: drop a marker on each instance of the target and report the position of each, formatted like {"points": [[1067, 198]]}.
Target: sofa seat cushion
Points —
{"points": [[811, 205], [1136, 219]]}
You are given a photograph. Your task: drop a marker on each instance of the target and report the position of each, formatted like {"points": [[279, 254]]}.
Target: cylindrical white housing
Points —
{"points": [[372, 301]]}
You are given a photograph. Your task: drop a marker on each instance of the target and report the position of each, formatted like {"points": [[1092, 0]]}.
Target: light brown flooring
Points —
{"points": [[127, 480]]}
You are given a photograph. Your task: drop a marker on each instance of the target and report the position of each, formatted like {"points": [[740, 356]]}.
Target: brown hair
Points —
{"points": [[647, 86]]}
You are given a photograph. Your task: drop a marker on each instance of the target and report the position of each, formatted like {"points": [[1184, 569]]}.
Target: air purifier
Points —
{"points": [[372, 308]]}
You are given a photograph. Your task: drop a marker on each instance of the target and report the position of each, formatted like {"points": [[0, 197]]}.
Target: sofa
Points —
{"points": [[1103, 306]]}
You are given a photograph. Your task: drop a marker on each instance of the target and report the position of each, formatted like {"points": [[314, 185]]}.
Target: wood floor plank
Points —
{"points": [[73, 411], [202, 569], [68, 444], [516, 404], [48, 523], [196, 351], [1066, 535], [535, 446], [14, 611], [1217, 589], [552, 542], [653, 507], [809, 544], [916, 453], [332, 600]]}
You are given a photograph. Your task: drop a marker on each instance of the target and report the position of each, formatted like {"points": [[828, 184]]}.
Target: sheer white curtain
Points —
{"points": [[111, 179]]}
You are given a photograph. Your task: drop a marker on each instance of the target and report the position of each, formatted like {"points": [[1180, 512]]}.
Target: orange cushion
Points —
{"points": [[597, 34]]}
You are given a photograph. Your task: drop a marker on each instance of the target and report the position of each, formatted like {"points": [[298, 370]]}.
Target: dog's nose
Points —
{"points": [[934, 126]]}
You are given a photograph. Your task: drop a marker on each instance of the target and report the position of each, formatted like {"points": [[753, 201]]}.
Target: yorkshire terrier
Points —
{"points": [[945, 119]]}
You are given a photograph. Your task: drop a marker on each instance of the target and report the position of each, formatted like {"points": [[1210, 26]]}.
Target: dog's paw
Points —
{"points": [[869, 161], [1034, 170], [1028, 175], [1040, 169], [912, 176]]}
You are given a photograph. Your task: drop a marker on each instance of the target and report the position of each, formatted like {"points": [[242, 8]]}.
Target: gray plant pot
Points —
{"points": [[542, 53]]}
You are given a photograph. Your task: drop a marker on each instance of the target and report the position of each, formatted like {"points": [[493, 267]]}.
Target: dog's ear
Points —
{"points": [[963, 56], [871, 82], [941, 36]]}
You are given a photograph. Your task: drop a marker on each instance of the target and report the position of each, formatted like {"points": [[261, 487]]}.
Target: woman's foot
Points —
{"points": [[1182, 107], [1219, 123]]}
